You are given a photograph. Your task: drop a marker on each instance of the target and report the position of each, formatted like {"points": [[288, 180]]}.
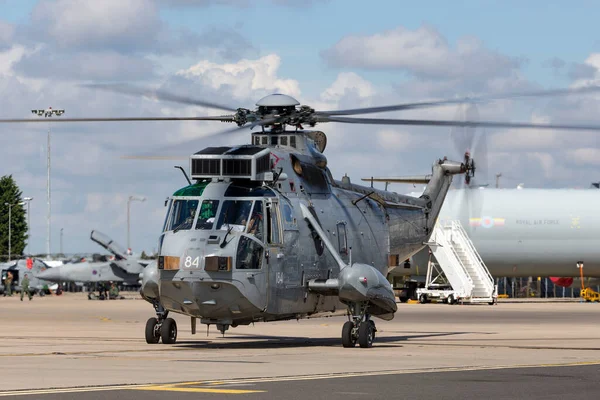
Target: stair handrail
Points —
{"points": [[445, 241], [470, 248]]}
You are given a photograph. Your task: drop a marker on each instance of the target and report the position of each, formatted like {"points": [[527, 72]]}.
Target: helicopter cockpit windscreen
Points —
{"points": [[234, 215], [208, 214], [183, 213]]}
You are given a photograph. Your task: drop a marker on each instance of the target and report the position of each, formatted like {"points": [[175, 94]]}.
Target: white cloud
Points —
{"points": [[399, 140], [246, 76], [586, 156], [593, 61], [9, 57], [94, 24], [423, 52], [348, 82]]}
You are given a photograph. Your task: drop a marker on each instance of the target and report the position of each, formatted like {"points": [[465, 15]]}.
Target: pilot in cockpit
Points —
{"points": [[235, 215], [255, 225], [208, 212]]}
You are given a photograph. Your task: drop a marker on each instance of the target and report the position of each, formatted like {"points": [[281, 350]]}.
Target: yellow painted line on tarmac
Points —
{"points": [[178, 388]]}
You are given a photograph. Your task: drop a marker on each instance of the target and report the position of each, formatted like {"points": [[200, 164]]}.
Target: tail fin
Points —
{"points": [[35, 265], [109, 244]]}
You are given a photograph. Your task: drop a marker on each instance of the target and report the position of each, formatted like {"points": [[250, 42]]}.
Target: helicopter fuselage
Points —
{"points": [[234, 250]]}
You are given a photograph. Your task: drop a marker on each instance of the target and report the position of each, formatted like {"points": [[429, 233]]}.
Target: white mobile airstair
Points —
{"points": [[460, 274]]}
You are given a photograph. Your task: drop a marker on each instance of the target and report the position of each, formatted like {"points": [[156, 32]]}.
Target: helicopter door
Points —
{"points": [[274, 249], [342, 241]]}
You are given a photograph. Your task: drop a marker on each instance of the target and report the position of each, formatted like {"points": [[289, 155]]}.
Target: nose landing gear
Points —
{"points": [[359, 328], [161, 327]]}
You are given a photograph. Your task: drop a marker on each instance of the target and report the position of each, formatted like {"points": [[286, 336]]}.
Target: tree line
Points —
{"points": [[11, 202]]}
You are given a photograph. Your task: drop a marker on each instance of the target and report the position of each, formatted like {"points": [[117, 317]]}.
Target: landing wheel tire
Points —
{"points": [[366, 334], [168, 331], [152, 334], [348, 340], [373, 327]]}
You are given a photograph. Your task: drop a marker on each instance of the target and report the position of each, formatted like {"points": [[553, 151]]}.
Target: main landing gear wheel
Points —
{"points": [[152, 331], [168, 331], [366, 334], [348, 338]]}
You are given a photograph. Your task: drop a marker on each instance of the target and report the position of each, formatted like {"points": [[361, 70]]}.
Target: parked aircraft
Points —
{"points": [[122, 268], [524, 232], [32, 267]]}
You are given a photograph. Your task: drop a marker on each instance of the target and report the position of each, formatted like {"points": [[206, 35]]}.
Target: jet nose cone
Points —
{"points": [[51, 274]]}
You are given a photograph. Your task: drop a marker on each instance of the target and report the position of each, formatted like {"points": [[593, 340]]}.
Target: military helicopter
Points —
{"points": [[265, 233]]}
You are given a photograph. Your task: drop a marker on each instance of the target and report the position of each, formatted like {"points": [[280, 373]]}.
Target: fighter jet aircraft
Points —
{"points": [[32, 267], [122, 269]]}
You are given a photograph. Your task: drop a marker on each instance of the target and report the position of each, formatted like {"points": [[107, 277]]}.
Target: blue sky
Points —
{"points": [[537, 30], [329, 54]]}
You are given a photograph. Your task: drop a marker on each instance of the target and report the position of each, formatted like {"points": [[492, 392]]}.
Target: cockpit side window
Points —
{"points": [[167, 215], [249, 254], [234, 214], [182, 215], [274, 235], [208, 214]]}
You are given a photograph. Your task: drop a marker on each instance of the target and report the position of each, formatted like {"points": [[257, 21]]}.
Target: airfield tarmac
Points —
{"points": [[68, 347]]}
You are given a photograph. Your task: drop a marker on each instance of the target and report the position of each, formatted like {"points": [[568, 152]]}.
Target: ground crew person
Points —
{"points": [[25, 287], [113, 293], [8, 284]]}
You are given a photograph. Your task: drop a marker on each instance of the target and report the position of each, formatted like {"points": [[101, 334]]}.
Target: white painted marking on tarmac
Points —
{"points": [[31, 392]]}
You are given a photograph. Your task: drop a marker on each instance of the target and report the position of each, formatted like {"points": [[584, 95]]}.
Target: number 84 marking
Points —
{"points": [[192, 262]]}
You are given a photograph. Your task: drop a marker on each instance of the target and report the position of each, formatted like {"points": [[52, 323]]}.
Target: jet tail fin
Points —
{"points": [[107, 243]]}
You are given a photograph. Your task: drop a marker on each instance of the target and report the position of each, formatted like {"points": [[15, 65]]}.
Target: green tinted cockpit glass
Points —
{"points": [[192, 190], [208, 212]]}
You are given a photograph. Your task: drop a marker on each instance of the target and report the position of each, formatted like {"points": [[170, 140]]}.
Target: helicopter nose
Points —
{"points": [[51, 274]]}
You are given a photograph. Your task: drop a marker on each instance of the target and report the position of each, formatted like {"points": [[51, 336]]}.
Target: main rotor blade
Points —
{"points": [[159, 94], [427, 104], [184, 149], [180, 150], [485, 124], [224, 118]]}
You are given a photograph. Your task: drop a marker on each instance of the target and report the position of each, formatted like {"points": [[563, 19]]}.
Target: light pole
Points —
{"points": [[61, 234], [27, 200], [47, 114], [129, 200]]}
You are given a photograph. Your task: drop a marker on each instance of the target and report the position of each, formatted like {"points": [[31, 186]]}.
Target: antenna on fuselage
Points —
{"points": [[184, 174]]}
